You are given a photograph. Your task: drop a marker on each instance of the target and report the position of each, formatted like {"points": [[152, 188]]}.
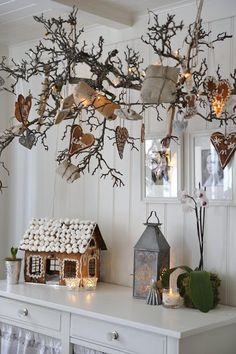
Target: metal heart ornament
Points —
{"points": [[22, 108], [180, 126], [27, 140], [78, 140], [218, 93], [225, 146], [121, 139]]}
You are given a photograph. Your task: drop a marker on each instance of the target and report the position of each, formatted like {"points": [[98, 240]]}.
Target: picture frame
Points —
{"points": [[161, 170], [206, 170]]}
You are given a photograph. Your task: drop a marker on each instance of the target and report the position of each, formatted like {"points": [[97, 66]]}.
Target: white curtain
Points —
{"points": [[78, 349], [14, 340]]}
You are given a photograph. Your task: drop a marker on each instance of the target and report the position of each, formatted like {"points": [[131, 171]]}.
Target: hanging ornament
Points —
{"points": [[218, 93], [179, 124], [78, 140], [191, 108], [225, 146], [169, 127], [159, 85], [65, 108], [27, 139], [45, 92], [22, 108], [142, 133], [87, 96], [68, 171], [127, 113], [121, 139]]}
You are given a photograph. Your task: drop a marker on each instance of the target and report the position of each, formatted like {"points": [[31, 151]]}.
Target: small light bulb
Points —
{"points": [[187, 75]]}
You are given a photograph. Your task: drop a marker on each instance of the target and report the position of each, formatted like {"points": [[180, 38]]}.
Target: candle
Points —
{"points": [[72, 283], [90, 283], [171, 298]]}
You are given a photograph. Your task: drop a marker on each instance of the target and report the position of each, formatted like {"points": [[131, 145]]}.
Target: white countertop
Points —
{"points": [[115, 303]]}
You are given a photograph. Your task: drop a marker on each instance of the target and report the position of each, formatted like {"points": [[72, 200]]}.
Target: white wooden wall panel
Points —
{"points": [[231, 259], [216, 240], [121, 212], [4, 104]]}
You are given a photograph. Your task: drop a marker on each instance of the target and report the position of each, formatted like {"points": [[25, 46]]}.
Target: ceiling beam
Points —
{"points": [[101, 12]]}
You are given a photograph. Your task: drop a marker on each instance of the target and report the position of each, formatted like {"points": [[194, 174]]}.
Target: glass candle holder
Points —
{"points": [[72, 283], [171, 298], [90, 283]]}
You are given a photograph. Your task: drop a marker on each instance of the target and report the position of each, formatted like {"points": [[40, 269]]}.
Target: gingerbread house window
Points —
{"points": [[35, 265], [69, 269], [54, 265], [92, 267]]}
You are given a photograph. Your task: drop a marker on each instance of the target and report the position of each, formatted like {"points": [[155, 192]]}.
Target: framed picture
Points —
{"points": [[206, 169], [161, 170]]}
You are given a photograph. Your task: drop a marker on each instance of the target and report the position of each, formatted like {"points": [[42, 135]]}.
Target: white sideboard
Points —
{"points": [[110, 320]]}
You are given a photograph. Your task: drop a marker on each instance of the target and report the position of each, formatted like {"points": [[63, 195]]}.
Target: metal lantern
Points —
{"points": [[151, 257]]}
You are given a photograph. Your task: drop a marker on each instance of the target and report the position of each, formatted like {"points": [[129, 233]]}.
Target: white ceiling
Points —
{"points": [[17, 24]]}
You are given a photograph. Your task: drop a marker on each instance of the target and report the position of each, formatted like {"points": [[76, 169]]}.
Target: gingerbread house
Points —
{"points": [[56, 249]]}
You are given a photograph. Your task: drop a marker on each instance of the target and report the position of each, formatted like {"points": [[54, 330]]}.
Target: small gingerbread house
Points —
{"points": [[56, 249]]}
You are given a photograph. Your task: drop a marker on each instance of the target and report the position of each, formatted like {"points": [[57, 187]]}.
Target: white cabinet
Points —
{"points": [[110, 321]]}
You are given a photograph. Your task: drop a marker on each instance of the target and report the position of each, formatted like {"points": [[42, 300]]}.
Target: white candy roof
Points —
{"points": [[58, 235]]}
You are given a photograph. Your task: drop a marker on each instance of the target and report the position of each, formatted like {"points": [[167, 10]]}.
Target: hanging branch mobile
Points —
{"points": [[99, 99]]}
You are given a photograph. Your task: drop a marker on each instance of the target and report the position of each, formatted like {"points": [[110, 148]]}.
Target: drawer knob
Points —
{"points": [[23, 312], [114, 335]]}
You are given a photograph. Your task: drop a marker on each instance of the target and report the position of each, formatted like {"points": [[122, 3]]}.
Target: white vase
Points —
{"points": [[13, 270]]}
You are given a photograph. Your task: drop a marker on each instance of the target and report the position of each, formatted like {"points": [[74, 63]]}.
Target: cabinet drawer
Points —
{"points": [[30, 314], [129, 339]]}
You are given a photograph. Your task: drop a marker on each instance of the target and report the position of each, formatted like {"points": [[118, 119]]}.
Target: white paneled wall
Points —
{"points": [[35, 189], [4, 114]]}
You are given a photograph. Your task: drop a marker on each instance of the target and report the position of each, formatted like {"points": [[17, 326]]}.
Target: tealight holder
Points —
{"points": [[90, 283], [171, 298], [72, 283]]}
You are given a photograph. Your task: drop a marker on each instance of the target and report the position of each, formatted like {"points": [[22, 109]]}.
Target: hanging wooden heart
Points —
{"points": [[22, 108], [225, 146], [78, 140], [121, 139], [218, 93]]}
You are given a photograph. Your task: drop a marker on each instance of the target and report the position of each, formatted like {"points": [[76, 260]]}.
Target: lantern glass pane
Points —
{"points": [[145, 269]]}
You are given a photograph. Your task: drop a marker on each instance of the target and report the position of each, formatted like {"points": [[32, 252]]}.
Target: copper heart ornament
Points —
{"points": [[78, 140], [225, 146], [218, 93], [121, 139], [22, 108]]}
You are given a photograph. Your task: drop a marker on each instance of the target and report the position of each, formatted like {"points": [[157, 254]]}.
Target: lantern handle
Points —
{"points": [[155, 213]]}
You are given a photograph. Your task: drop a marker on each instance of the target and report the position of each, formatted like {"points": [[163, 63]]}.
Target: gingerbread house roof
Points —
{"points": [[60, 235]]}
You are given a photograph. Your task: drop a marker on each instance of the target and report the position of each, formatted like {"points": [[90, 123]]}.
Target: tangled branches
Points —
{"points": [[56, 60]]}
